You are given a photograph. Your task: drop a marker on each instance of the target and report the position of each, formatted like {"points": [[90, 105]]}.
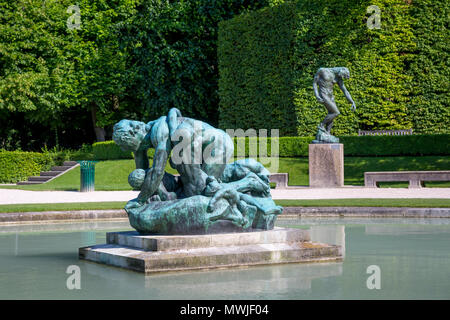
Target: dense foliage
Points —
{"points": [[109, 150], [171, 47], [64, 85], [399, 73], [18, 166]]}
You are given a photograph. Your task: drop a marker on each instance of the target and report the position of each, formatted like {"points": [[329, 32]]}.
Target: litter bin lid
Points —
{"points": [[87, 164]]}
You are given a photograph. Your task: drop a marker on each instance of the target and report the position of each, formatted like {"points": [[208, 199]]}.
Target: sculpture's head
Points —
{"points": [[342, 72], [130, 135], [136, 178]]}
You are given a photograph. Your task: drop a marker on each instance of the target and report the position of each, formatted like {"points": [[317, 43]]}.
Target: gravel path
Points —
{"points": [[14, 196]]}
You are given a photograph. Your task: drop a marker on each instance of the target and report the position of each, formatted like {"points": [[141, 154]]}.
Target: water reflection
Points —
{"points": [[393, 230], [254, 282], [413, 255], [65, 226], [309, 221], [331, 234]]}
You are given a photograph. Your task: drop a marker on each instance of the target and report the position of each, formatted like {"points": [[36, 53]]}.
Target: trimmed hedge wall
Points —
{"points": [[412, 145], [255, 70], [17, 166], [370, 146], [399, 73]]}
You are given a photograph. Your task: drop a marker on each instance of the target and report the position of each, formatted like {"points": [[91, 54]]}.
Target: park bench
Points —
{"points": [[385, 132], [280, 179], [415, 178]]}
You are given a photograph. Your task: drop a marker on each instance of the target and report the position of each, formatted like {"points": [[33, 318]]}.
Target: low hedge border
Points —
{"points": [[17, 166], [365, 146], [369, 146]]}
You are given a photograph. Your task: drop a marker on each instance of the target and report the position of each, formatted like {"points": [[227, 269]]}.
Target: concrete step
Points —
{"points": [[39, 178], [50, 173], [28, 182], [60, 168], [211, 257], [47, 175], [135, 240], [70, 163]]}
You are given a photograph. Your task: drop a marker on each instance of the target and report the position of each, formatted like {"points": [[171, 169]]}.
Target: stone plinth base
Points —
{"points": [[326, 165], [150, 254]]}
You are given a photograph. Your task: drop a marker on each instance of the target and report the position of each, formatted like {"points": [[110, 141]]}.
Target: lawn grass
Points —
{"points": [[110, 175], [413, 203], [407, 203], [113, 174], [75, 206]]}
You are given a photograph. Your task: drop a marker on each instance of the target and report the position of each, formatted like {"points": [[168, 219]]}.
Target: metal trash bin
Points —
{"points": [[87, 176]]}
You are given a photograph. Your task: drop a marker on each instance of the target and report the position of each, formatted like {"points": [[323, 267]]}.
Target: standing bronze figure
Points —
{"points": [[324, 81]]}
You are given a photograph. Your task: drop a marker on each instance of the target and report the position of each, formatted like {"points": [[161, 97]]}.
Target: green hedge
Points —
{"points": [[109, 150], [399, 73], [413, 145], [17, 166], [291, 147]]}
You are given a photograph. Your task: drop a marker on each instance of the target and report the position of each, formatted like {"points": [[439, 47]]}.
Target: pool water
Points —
{"points": [[413, 257]]}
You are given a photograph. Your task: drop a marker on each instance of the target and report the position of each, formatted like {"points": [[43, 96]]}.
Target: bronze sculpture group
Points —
{"points": [[209, 194]]}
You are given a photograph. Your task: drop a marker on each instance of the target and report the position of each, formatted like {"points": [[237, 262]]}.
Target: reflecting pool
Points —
{"points": [[413, 256]]}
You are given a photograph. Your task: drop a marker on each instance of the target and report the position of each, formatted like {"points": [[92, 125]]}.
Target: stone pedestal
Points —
{"points": [[150, 254], [326, 165]]}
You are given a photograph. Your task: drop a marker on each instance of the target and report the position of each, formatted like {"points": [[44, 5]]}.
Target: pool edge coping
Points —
{"points": [[289, 212]]}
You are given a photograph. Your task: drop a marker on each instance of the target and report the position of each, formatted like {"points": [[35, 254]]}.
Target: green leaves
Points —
{"points": [[171, 54], [18, 166], [30, 62]]}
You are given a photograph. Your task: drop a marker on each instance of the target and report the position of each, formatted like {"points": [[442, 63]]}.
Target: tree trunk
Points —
{"points": [[99, 131]]}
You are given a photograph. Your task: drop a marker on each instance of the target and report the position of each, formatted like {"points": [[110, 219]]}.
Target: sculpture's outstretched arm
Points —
{"points": [[346, 93], [172, 119], [316, 88], [155, 175]]}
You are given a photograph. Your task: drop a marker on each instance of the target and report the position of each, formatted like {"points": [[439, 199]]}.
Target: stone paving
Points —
{"points": [[14, 196]]}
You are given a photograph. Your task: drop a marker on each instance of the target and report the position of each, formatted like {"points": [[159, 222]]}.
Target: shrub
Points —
{"points": [[84, 153], [109, 150], [17, 166]]}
